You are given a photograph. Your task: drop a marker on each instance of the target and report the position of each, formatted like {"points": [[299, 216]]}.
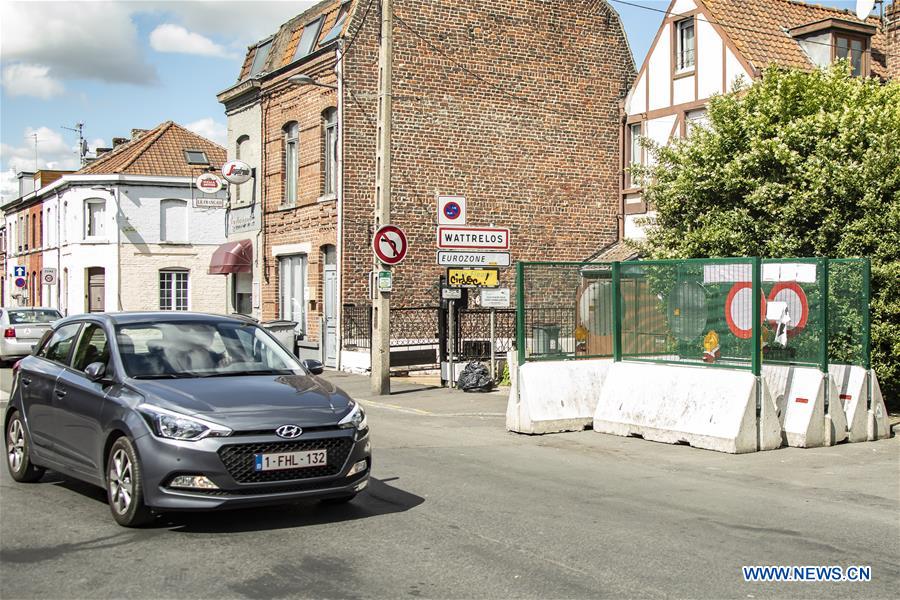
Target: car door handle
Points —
{"points": [[60, 393]]}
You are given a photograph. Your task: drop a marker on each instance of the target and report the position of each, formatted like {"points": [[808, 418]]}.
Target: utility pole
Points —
{"points": [[380, 378]]}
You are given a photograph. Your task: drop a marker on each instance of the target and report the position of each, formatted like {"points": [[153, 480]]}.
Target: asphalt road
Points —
{"points": [[459, 508]]}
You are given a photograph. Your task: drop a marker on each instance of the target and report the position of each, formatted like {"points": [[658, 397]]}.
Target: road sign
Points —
{"points": [[451, 293], [19, 282], [19, 271], [390, 244], [451, 210], [209, 183], [494, 298], [473, 278], [48, 276], [487, 238], [472, 258], [237, 172]]}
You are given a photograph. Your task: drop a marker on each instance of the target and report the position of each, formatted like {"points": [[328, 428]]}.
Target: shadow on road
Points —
{"points": [[379, 499]]}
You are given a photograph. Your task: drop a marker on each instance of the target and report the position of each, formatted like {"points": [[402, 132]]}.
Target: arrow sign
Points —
{"points": [[390, 244]]}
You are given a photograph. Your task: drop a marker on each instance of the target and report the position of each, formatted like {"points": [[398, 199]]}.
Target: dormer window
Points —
{"points": [[827, 41], [684, 45], [259, 58]]}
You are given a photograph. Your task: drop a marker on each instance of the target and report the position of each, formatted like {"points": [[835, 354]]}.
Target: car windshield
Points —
{"points": [[183, 349], [25, 317]]}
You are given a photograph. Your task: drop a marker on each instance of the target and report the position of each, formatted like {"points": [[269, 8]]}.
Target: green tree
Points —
{"points": [[798, 164]]}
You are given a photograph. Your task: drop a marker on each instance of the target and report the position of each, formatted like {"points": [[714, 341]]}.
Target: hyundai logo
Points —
{"points": [[289, 432]]}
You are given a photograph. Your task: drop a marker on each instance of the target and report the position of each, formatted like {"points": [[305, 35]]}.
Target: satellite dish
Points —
{"points": [[864, 9]]}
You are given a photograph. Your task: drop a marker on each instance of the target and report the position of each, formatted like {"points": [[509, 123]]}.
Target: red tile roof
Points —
{"points": [[158, 152], [759, 29]]}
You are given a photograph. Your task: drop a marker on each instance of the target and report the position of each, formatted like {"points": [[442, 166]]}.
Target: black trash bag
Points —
{"points": [[475, 378]]}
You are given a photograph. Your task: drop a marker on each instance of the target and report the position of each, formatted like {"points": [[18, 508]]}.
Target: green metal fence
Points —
{"points": [[719, 312]]}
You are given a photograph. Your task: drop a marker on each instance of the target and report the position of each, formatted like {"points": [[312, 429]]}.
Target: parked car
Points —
{"points": [[182, 411], [22, 328]]}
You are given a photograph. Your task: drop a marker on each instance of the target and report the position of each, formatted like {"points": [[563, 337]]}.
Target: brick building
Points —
{"points": [[513, 104], [892, 29]]}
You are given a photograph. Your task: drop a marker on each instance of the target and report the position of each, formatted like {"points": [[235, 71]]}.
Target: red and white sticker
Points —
{"points": [[739, 309], [793, 295]]}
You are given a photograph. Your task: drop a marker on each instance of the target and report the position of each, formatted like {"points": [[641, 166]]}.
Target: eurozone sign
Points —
{"points": [[473, 278]]}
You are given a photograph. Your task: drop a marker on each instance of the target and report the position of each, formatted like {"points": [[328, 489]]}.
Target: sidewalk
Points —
{"points": [[423, 395]]}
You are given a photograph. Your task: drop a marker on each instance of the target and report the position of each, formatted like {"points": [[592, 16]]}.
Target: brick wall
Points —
{"points": [[543, 164], [34, 260], [313, 218]]}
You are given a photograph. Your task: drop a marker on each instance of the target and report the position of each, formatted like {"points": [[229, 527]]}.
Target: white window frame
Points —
{"points": [[330, 160], [174, 274], [88, 220], [290, 306], [634, 147], [685, 60], [166, 233], [291, 163]]}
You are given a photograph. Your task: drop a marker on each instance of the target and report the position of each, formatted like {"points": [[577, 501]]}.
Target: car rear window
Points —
{"points": [[24, 317]]}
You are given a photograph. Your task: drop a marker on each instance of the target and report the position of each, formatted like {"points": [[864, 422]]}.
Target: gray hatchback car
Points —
{"points": [[182, 411]]}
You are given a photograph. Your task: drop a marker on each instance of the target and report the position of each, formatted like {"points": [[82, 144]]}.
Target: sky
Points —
{"points": [[118, 65]]}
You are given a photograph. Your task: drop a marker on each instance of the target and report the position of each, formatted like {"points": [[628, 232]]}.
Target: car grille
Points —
{"points": [[240, 461]]}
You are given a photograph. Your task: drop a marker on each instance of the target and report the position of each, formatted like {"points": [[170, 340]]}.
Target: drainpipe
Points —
{"points": [[339, 249], [59, 269]]}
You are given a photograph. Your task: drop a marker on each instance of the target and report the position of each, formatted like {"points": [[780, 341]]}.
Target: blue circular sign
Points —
{"points": [[20, 282], [452, 210]]}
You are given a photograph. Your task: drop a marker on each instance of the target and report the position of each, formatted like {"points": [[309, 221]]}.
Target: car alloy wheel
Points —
{"points": [[121, 482], [124, 485], [18, 454]]}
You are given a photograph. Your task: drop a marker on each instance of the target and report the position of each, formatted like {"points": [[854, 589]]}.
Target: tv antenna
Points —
{"points": [[82, 144]]}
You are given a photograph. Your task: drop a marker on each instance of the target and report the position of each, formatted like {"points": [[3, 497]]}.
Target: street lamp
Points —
{"points": [[304, 79]]}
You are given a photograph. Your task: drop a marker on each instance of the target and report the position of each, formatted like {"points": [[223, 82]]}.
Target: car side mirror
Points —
{"points": [[95, 371], [314, 366]]}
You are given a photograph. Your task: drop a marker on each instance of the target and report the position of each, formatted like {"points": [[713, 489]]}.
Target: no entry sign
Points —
{"points": [[390, 244]]}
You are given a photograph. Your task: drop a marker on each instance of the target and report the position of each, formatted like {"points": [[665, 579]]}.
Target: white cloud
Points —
{"points": [[210, 129], [240, 21], [176, 39], [76, 40], [30, 80], [53, 152]]}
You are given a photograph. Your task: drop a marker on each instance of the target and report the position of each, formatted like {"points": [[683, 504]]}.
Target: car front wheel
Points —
{"points": [[125, 485], [18, 452]]}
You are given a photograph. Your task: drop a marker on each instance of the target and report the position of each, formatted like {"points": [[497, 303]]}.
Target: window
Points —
{"points": [[242, 293], [338, 26], [59, 345], [259, 59], [694, 118], [684, 57], [308, 38], [292, 287], [40, 235], [28, 233], [330, 162], [94, 214], [240, 153], [291, 166], [173, 216], [173, 290], [196, 157], [635, 154], [852, 49], [91, 347], [62, 225]]}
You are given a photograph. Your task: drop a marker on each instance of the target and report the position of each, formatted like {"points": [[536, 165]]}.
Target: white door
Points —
{"points": [[330, 337]]}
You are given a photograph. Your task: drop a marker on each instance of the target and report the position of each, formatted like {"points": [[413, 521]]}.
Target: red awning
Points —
{"points": [[232, 257]]}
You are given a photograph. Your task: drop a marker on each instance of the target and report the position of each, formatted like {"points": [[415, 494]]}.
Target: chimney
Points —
{"points": [[136, 133], [101, 151], [118, 141]]}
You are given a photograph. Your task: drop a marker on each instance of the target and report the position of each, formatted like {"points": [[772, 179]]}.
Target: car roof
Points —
{"points": [[151, 317]]}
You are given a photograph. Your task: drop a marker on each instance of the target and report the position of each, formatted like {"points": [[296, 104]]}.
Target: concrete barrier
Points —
{"points": [[866, 421], [553, 396], [799, 394], [705, 407]]}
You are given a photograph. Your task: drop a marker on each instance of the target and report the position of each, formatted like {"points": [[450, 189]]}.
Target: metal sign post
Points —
{"points": [[493, 344], [452, 349]]}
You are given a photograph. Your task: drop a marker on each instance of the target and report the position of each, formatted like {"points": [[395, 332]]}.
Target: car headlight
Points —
{"points": [[175, 426], [355, 419]]}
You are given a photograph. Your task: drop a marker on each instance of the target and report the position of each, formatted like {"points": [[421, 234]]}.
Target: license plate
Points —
{"points": [[291, 460]]}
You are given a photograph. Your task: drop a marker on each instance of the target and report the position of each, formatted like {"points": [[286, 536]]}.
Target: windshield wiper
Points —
{"points": [[240, 373], [166, 376]]}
